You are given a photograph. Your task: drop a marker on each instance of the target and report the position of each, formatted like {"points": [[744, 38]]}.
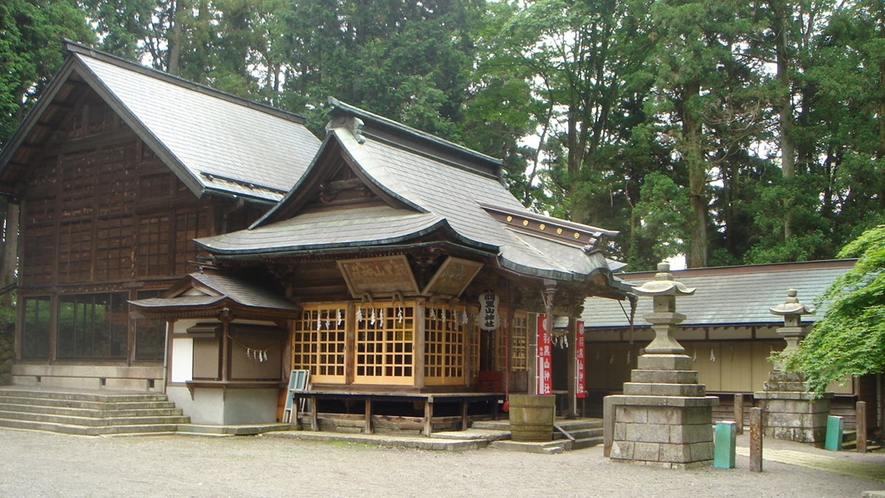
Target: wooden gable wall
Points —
{"points": [[100, 208]]}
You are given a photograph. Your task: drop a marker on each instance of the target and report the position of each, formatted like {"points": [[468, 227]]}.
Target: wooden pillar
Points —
{"points": [[861, 420], [756, 439], [428, 416], [225, 344], [314, 422], [739, 413], [571, 409], [532, 356], [465, 419], [367, 426]]}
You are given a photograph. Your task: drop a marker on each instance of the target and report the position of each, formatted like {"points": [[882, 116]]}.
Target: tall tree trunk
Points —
{"points": [[175, 40], [881, 118], [697, 177], [783, 103], [9, 244]]}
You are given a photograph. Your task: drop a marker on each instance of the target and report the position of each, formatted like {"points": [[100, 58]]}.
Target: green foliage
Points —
{"points": [[662, 210], [31, 51], [593, 106], [850, 338]]}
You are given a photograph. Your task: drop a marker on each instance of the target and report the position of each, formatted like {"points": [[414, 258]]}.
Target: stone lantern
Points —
{"points": [[664, 416], [792, 331], [789, 410], [664, 318]]}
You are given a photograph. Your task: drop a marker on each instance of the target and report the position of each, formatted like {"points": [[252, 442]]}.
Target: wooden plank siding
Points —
{"points": [[102, 214]]}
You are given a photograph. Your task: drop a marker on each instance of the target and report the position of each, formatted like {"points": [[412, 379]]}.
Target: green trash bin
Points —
{"points": [[834, 433], [724, 443]]}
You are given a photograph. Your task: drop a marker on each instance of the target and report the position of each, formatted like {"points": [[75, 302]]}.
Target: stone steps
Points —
{"points": [[230, 430], [586, 433], [89, 413]]}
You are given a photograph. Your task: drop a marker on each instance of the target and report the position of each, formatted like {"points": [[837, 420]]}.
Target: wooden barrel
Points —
{"points": [[531, 417]]}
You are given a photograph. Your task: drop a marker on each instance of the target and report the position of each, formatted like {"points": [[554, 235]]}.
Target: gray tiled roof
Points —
{"points": [[218, 141], [726, 296], [443, 192], [241, 292], [348, 227]]}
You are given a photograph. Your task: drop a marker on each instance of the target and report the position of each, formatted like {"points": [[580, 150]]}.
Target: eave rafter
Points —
{"points": [[565, 232]]}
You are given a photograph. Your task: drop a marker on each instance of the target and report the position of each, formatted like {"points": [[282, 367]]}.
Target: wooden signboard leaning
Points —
{"points": [[298, 384]]}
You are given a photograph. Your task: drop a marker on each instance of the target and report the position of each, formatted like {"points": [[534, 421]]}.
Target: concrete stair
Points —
{"points": [[89, 413], [567, 434]]}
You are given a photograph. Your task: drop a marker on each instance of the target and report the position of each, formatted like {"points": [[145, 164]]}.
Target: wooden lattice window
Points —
{"points": [[517, 330], [500, 345], [519, 335], [385, 344], [318, 343], [444, 336]]}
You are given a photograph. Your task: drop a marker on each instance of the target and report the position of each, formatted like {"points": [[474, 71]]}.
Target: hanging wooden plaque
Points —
{"points": [[380, 277], [452, 277]]}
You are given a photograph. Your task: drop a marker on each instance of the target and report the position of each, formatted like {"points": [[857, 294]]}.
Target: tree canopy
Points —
{"points": [[850, 338]]}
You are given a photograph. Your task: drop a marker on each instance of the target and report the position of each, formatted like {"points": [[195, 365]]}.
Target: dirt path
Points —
{"points": [[41, 464]]}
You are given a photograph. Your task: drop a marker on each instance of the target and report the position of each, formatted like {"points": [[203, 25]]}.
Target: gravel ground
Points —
{"points": [[37, 464]]}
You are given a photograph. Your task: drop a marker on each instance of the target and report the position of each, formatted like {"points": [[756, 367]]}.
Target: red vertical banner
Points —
{"points": [[580, 356], [545, 357]]}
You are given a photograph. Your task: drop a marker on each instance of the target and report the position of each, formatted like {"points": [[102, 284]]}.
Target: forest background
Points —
{"points": [[733, 132]]}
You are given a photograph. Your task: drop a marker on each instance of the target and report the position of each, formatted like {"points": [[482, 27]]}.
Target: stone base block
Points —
{"points": [[664, 376], [658, 389], [662, 434], [664, 362], [813, 435], [783, 385], [788, 417]]}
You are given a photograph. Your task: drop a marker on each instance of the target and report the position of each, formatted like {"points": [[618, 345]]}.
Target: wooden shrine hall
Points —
{"points": [[410, 286], [210, 248]]}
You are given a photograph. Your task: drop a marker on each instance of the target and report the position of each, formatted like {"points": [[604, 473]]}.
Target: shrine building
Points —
{"points": [[180, 240]]}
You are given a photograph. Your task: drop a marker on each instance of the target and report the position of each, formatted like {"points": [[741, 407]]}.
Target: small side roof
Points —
{"points": [[207, 293], [211, 140], [735, 295]]}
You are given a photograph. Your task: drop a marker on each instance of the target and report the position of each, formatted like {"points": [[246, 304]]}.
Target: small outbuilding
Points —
{"points": [[728, 331]]}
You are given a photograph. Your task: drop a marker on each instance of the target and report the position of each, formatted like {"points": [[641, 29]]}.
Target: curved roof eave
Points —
{"points": [[441, 225]]}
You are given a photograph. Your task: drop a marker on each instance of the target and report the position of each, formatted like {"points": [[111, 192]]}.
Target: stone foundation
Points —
{"points": [[790, 412], [668, 431], [664, 417]]}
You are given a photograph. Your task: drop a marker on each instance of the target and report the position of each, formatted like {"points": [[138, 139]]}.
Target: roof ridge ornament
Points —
{"points": [[352, 124]]}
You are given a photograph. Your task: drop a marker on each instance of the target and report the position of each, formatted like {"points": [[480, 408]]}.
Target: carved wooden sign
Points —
{"points": [[378, 276], [452, 277]]}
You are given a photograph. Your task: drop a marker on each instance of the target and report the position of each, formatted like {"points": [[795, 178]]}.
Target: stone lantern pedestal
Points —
{"points": [[664, 416], [789, 410]]}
